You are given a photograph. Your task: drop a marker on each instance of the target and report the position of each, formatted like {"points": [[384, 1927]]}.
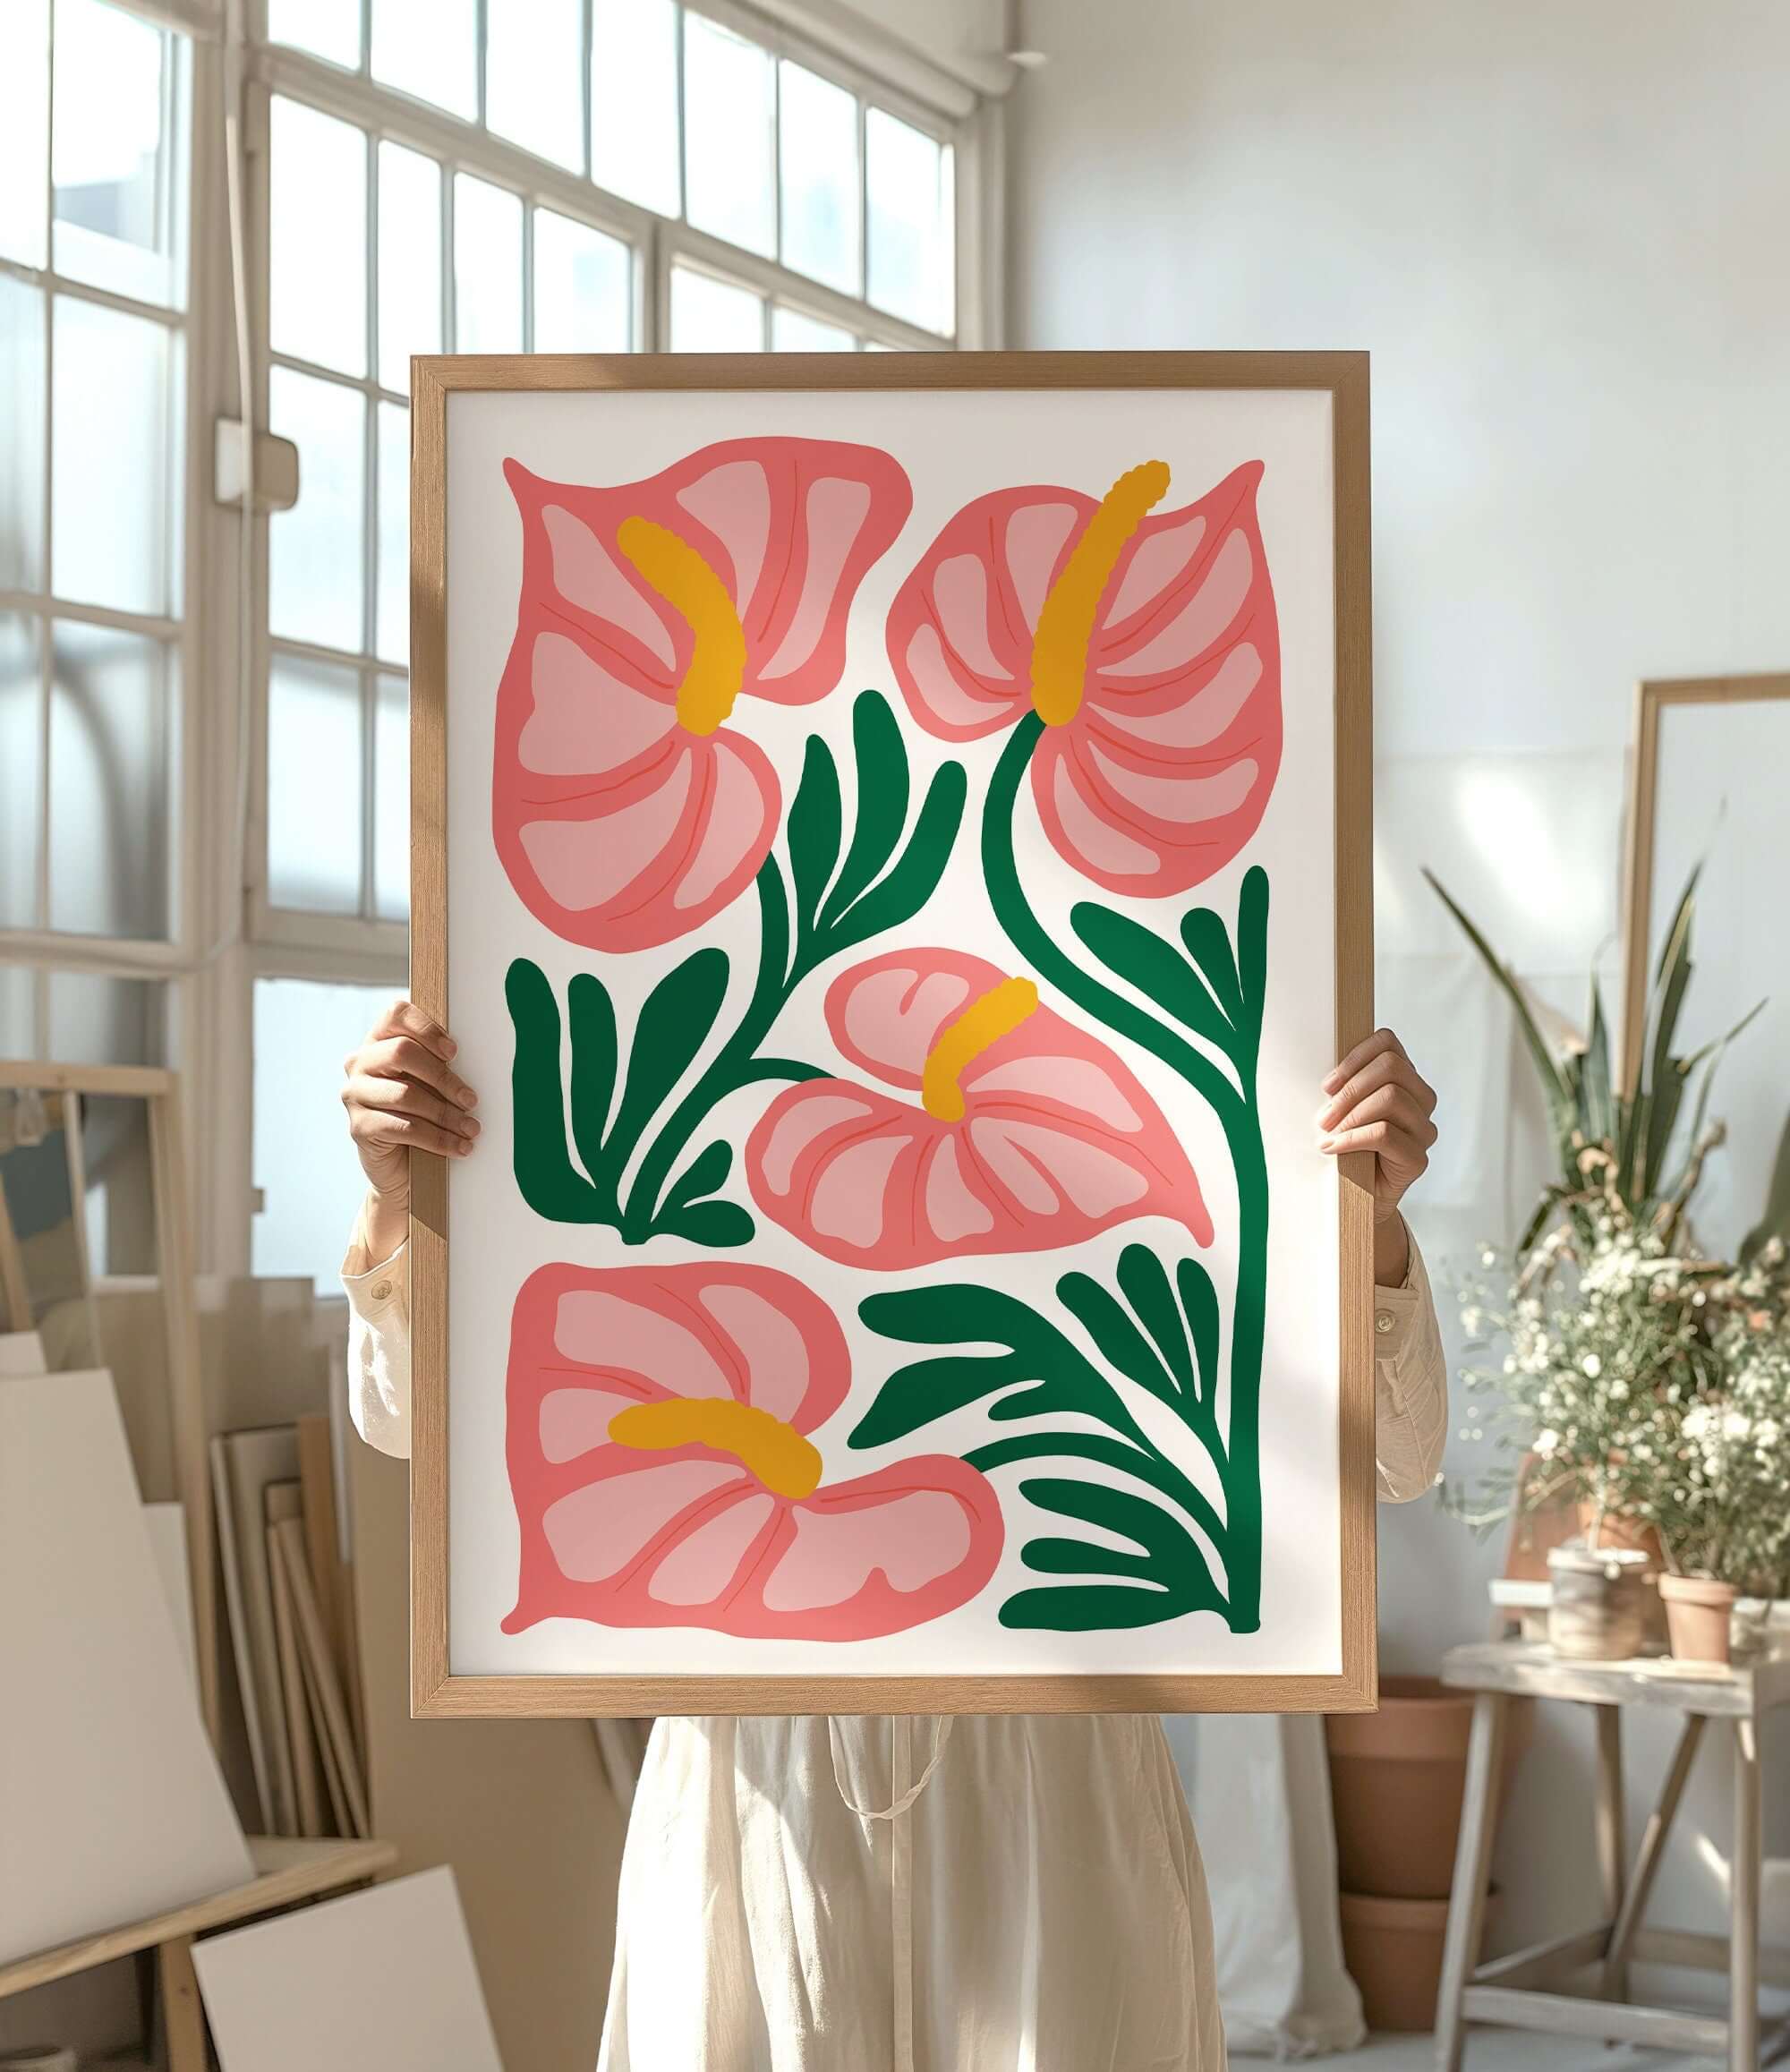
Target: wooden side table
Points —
{"points": [[1526, 1990], [287, 1873]]}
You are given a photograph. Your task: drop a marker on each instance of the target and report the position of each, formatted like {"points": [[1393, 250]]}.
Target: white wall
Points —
{"points": [[1559, 230]]}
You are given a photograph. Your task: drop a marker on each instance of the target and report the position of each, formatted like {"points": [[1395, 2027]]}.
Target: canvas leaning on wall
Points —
{"points": [[891, 844]]}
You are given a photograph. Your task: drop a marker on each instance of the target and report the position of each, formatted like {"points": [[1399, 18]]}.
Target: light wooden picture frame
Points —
{"points": [[565, 430]]}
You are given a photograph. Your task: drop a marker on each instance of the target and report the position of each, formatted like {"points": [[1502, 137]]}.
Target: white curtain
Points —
{"points": [[1259, 1788]]}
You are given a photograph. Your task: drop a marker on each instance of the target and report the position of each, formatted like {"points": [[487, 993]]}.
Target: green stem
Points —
{"points": [[1240, 1119], [737, 1064]]}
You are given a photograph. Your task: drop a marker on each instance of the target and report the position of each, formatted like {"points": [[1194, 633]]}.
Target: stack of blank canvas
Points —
{"points": [[289, 1610], [112, 1804]]}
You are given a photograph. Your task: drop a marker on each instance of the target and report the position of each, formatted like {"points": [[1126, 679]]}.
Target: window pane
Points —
{"points": [[317, 289], [392, 597], [912, 234], [113, 434], [315, 580], [94, 1020], [20, 738], [410, 261], [304, 1161], [24, 131], [18, 1011], [391, 799], [120, 223], [428, 49], [111, 739], [729, 118], [792, 332], [314, 787], [22, 435], [487, 267], [328, 29], [582, 287], [817, 131], [713, 316], [533, 93], [633, 100]]}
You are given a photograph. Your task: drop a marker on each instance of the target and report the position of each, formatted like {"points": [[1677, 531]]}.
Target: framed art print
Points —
{"points": [[890, 840]]}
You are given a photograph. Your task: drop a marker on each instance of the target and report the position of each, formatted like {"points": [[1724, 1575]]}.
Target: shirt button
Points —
{"points": [[385, 1288], [1382, 1320]]}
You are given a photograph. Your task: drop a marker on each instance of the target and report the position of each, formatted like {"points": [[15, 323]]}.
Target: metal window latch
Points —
{"points": [[275, 467]]}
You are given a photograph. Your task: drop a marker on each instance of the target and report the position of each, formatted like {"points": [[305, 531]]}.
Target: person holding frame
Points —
{"points": [[1036, 1897]]}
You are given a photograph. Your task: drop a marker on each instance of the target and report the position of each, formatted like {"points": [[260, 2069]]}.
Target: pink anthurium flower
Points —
{"points": [[625, 810], [664, 1473], [1027, 1134], [1145, 640]]}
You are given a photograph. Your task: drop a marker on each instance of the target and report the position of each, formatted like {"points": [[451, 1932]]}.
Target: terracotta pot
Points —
{"points": [[1699, 1616], [1397, 1777], [1393, 1948]]}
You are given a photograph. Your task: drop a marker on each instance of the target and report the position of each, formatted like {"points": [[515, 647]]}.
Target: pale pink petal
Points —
{"points": [[586, 721], [1192, 722], [769, 1341], [802, 1121], [1059, 1083], [700, 1566], [996, 1144], [1183, 799], [584, 863], [911, 1540], [887, 1014], [1158, 560], [1095, 1181], [595, 1531], [1088, 838], [1038, 537], [734, 827], [617, 1334], [577, 1420], [585, 575], [847, 1201], [958, 709], [836, 514], [1208, 614], [961, 592], [733, 500], [952, 1211]]}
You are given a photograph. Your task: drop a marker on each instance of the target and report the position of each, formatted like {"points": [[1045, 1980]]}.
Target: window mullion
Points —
{"points": [[47, 548]]}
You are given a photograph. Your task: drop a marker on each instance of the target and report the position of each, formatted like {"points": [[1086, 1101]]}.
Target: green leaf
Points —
{"points": [[815, 827], [591, 1017], [1143, 1282], [1156, 968], [914, 876], [1594, 1077], [1252, 943], [1554, 1085], [1209, 944], [1111, 1328], [676, 1016], [1135, 1458], [704, 1174], [1199, 1305], [1081, 1607], [881, 757], [716, 1224], [542, 1161], [1175, 1556], [1775, 1222]]}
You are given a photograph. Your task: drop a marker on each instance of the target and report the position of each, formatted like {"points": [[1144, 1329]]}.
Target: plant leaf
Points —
{"points": [[704, 1174], [542, 1161], [676, 1018], [1775, 1222], [1594, 1077], [1209, 944], [1174, 1554], [914, 876], [1157, 969], [591, 1018], [1143, 1282], [1199, 1305], [1252, 948], [716, 1224], [1113, 1329], [815, 828], [881, 757]]}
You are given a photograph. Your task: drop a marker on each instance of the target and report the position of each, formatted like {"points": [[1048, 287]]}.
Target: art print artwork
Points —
{"points": [[883, 854]]}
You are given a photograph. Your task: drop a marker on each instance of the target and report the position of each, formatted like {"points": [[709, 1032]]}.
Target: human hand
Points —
{"points": [[1375, 1100], [402, 1095]]}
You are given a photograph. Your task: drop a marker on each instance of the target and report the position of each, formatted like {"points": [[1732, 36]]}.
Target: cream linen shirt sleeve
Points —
{"points": [[1411, 1386], [379, 1345], [1411, 1377]]}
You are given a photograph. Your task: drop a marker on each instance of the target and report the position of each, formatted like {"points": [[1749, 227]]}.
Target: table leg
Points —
{"points": [[182, 2016], [1472, 1873], [1744, 1905], [1611, 1825], [1640, 1886]]}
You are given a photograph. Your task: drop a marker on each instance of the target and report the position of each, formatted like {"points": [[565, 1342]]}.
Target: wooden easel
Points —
{"points": [[159, 1090]]}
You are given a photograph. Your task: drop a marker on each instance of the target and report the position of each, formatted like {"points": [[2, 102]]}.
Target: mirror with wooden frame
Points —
{"points": [[1706, 793]]}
